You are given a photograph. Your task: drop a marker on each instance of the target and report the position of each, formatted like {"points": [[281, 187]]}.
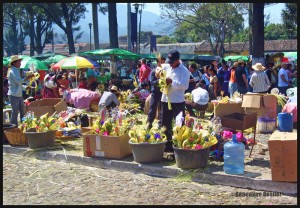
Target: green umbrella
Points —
{"points": [[291, 54], [235, 58], [24, 57], [53, 59], [121, 53], [25, 64], [5, 62]]}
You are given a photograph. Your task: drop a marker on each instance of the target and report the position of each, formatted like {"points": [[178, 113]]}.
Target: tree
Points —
{"points": [[165, 40], [113, 25], [12, 36], [202, 21], [275, 32], [65, 15], [289, 16]]}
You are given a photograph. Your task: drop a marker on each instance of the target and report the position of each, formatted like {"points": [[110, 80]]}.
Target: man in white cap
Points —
{"points": [[178, 77], [259, 79], [15, 82], [109, 99]]}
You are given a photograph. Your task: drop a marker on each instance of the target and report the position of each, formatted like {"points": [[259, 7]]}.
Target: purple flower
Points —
{"points": [[148, 136], [157, 136], [102, 122]]}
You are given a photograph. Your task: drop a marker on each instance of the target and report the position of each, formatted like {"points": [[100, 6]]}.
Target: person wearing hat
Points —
{"points": [[178, 77], [109, 99], [232, 86], [259, 79], [241, 77], [145, 71], [15, 82], [283, 80]]}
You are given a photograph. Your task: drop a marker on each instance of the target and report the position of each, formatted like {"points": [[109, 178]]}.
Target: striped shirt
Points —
{"points": [[259, 81]]}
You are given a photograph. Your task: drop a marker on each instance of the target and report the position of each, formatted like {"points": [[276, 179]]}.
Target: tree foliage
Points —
{"points": [[66, 16], [201, 21], [165, 40], [289, 16]]}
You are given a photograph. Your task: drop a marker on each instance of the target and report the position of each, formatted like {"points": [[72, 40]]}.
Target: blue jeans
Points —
{"points": [[17, 104], [232, 88]]}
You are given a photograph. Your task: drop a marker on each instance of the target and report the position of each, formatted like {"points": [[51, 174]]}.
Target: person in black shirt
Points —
{"points": [[241, 78]]}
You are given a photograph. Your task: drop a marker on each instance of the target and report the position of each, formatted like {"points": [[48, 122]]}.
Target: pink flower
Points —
{"points": [[97, 130], [239, 136], [198, 146], [227, 134], [191, 139], [105, 133]]}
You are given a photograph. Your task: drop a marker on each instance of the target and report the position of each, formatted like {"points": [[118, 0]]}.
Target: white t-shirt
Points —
{"points": [[200, 96], [281, 83]]}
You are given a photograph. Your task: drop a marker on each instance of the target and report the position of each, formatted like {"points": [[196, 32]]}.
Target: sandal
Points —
{"points": [[171, 157]]}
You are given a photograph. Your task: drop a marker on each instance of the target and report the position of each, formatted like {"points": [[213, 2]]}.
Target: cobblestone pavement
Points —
{"points": [[30, 181]]}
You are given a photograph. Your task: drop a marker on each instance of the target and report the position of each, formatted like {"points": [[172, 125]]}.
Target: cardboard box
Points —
{"points": [[47, 105], [239, 121], [116, 147], [265, 105], [283, 156], [223, 109]]}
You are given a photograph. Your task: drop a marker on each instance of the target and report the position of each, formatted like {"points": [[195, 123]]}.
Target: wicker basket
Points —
{"points": [[15, 137]]}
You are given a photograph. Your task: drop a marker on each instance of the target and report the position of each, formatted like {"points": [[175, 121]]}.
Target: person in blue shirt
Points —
{"points": [[15, 82]]}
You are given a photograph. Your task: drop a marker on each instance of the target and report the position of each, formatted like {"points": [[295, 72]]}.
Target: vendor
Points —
{"points": [[109, 99], [200, 98]]}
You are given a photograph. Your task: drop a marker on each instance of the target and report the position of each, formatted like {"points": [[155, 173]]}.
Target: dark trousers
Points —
{"points": [[242, 89], [166, 120], [191, 105], [154, 103], [282, 90]]}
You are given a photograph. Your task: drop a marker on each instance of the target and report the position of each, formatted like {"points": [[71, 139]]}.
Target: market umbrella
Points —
{"points": [[291, 55], [53, 59], [74, 62], [26, 62], [5, 61], [113, 53], [235, 58]]}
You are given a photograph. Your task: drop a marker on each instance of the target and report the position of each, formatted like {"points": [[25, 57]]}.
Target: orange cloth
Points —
{"points": [[232, 76]]}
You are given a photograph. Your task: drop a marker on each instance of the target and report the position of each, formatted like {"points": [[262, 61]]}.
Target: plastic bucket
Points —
{"points": [[147, 153], [40, 139], [285, 122], [266, 125], [191, 159], [7, 126]]}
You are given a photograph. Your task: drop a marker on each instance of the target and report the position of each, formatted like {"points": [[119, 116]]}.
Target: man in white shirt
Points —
{"points": [[200, 98], [283, 81], [178, 77]]}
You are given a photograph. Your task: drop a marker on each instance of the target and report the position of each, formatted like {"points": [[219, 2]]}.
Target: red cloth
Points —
{"points": [[82, 85], [42, 74], [291, 108]]}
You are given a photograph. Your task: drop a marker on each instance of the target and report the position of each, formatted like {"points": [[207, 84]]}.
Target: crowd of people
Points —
{"points": [[204, 83]]}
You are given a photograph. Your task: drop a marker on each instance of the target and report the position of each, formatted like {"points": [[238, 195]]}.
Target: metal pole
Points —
{"points": [[128, 26], [140, 31], [90, 25]]}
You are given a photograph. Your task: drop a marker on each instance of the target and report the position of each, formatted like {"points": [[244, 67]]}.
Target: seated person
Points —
{"points": [[109, 99], [81, 98], [144, 92], [200, 99], [83, 84]]}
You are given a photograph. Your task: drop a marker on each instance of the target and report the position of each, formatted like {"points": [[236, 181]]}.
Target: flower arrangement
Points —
{"points": [[111, 126], [188, 138], [43, 124], [140, 134], [188, 96]]}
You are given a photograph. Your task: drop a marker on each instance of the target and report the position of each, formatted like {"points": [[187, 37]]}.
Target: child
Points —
{"points": [[83, 84]]}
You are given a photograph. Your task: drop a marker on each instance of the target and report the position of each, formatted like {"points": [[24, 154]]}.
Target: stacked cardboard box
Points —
{"points": [[283, 156]]}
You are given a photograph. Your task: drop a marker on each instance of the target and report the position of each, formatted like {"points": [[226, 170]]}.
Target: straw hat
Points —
{"points": [[114, 88], [241, 61], [258, 67], [14, 58], [235, 64]]}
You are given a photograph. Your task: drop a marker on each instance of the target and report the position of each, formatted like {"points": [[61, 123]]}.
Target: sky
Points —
{"points": [[274, 11]]}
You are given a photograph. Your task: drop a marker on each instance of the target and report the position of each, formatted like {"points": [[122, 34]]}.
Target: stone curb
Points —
{"points": [[162, 171]]}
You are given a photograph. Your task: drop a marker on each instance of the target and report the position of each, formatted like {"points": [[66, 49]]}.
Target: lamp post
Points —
{"points": [[136, 6], [222, 33], [140, 30], [90, 25]]}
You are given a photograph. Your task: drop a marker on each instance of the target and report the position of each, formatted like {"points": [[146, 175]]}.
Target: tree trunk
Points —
{"points": [[113, 25], [38, 38], [70, 38], [95, 23], [15, 48], [258, 33], [31, 35], [250, 28]]}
